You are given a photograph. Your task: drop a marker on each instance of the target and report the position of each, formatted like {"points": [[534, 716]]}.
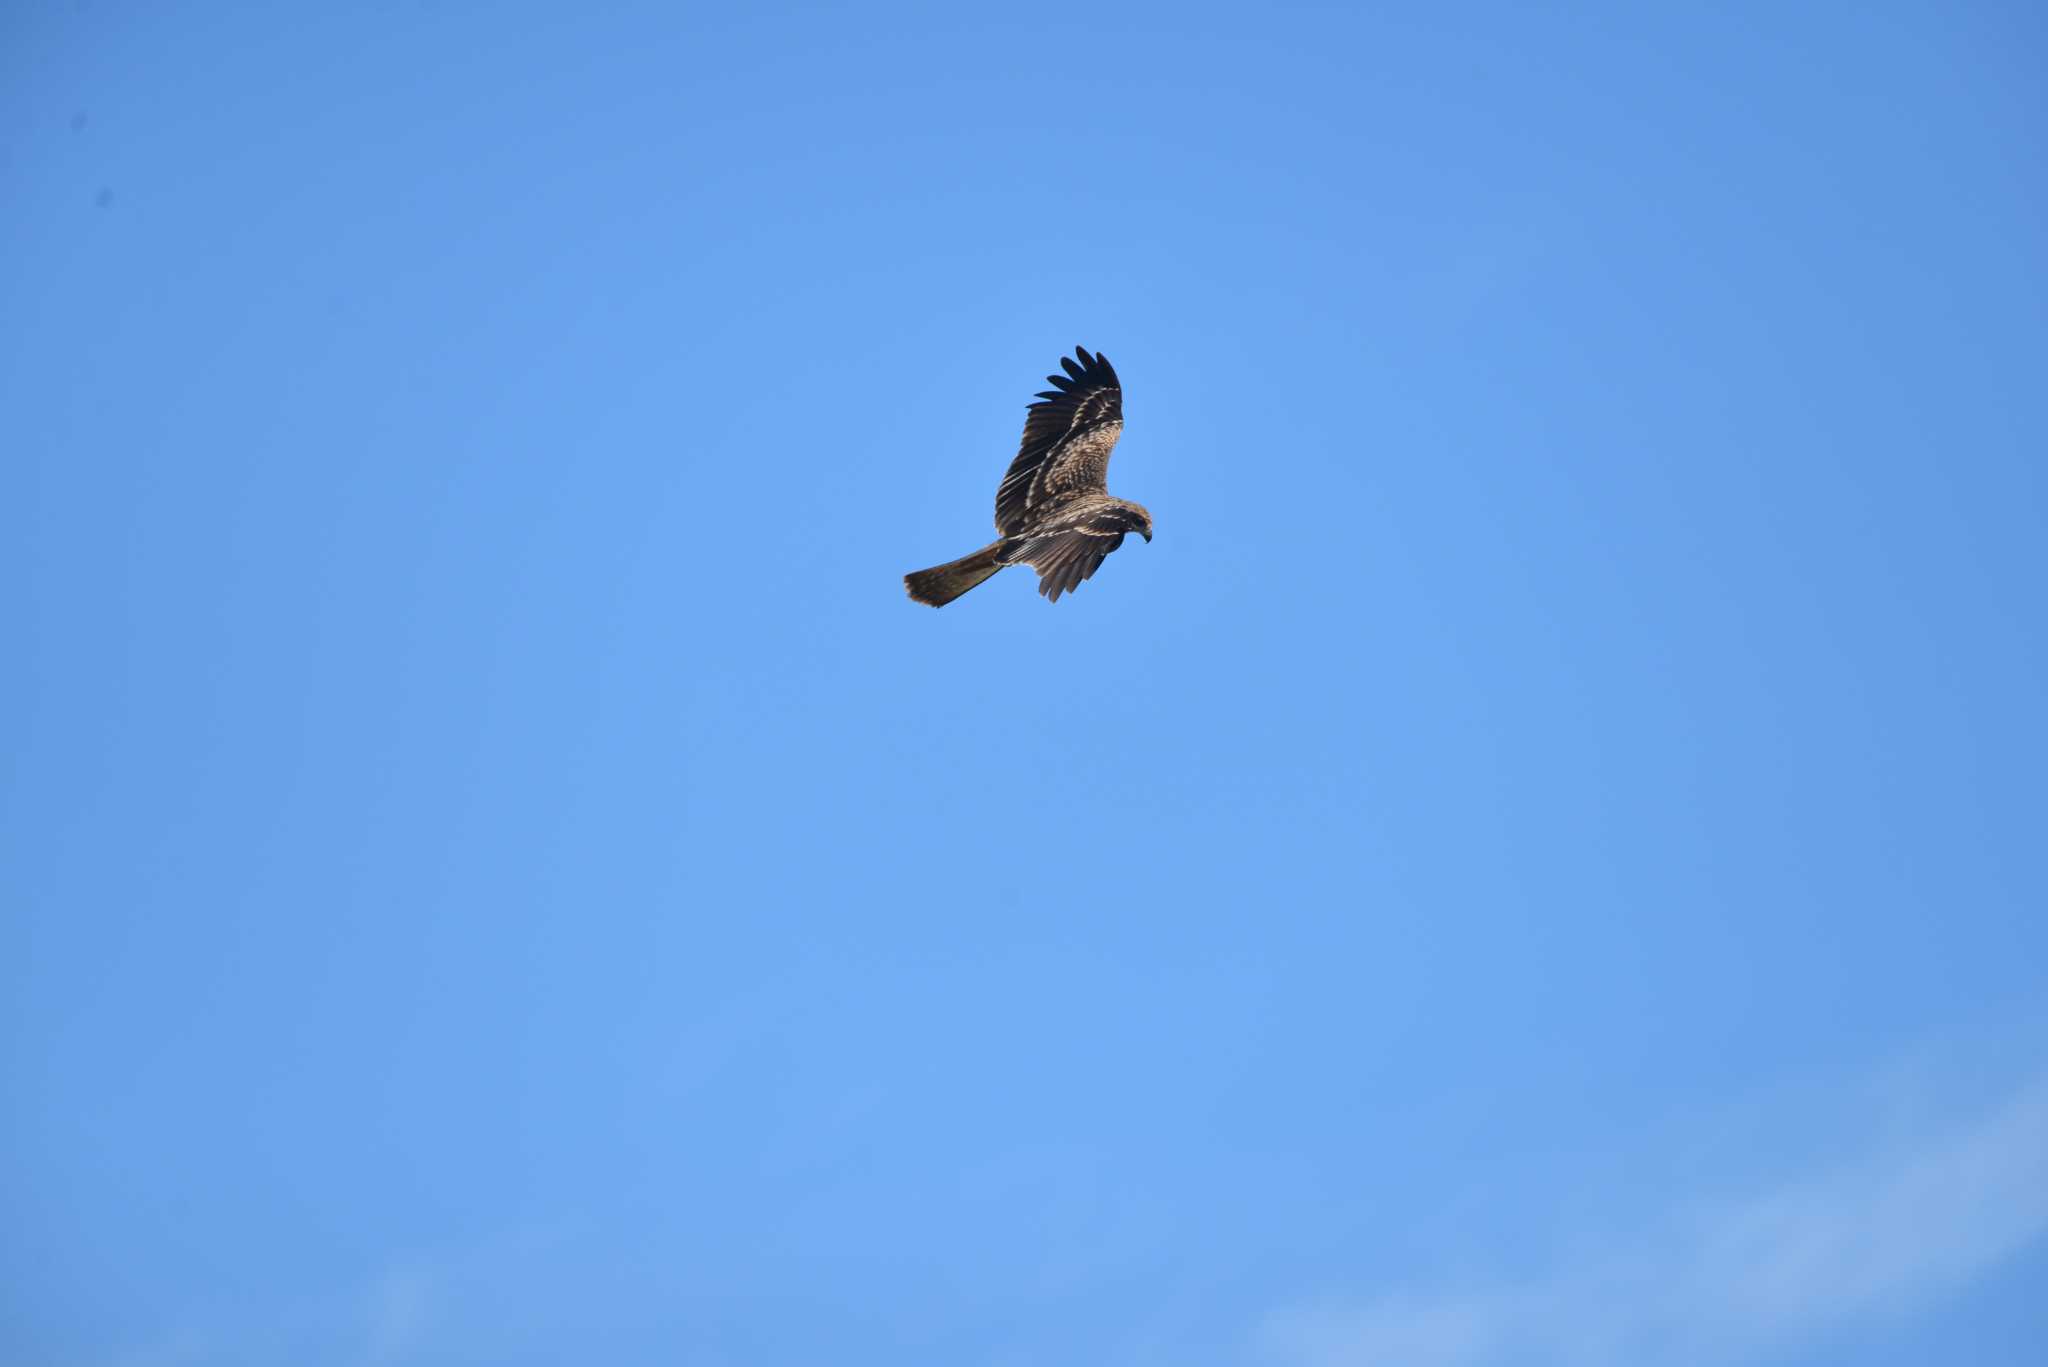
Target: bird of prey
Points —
{"points": [[1053, 511]]}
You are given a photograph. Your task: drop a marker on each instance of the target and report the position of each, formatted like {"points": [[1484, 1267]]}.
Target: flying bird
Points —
{"points": [[1053, 510]]}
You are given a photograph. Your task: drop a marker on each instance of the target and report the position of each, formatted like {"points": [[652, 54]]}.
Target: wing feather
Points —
{"points": [[1068, 436], [1071, 546]]}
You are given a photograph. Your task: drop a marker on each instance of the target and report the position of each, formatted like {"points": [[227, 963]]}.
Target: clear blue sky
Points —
{"points": [[1539, 862]]}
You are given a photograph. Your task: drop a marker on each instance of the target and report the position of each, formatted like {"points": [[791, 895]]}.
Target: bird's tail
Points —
{"points": [[941, 584]]}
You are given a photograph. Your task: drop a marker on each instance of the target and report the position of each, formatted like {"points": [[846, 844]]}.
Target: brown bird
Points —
{"points": [[1053, 510]]}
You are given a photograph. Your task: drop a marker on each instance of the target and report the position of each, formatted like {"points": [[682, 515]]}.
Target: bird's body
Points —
{"points": [[1053, 509]]}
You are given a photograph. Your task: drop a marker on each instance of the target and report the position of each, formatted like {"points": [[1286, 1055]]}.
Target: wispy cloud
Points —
{"points": [[395, 1313], [1885, 1229], [399, 1314]]}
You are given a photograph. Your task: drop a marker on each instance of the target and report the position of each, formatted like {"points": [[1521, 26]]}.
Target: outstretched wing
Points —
{"points": [[1069, 546], [1068, 435]]}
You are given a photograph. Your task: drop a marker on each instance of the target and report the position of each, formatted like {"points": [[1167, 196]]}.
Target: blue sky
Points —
{"points": [[1538, 862]]}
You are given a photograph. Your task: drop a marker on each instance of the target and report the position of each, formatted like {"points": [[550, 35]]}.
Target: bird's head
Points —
{"points": [[1141, 521]]}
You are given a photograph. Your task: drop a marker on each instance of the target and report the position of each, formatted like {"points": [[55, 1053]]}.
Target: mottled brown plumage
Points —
{"points": [[1053, 509]]}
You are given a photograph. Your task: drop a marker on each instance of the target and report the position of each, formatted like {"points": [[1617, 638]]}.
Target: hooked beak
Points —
{"points": [[1147, 535]]}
